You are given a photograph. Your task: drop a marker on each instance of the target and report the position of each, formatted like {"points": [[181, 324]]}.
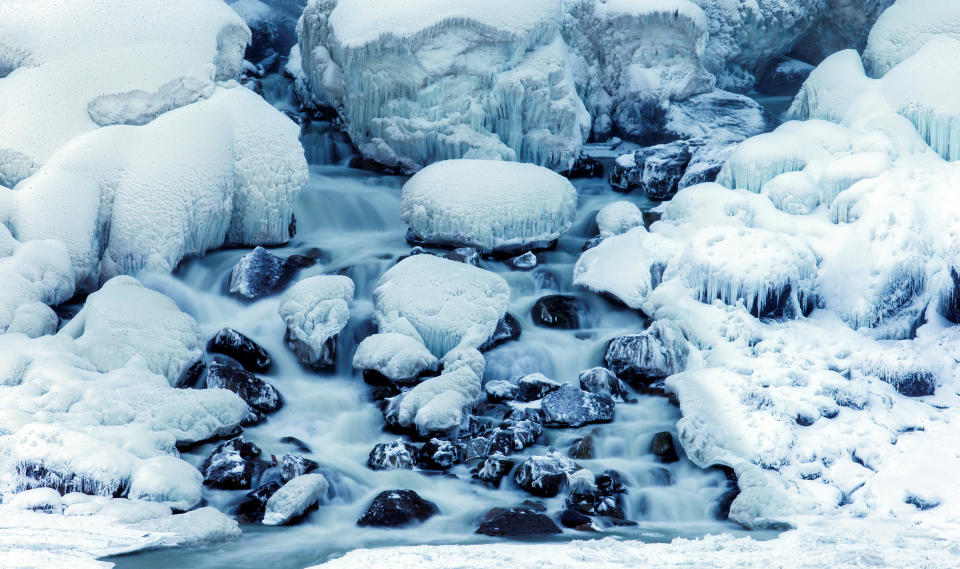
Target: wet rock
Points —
{"points": [[572, 407], [297, 443], [782, 76], [294, 498], [582, 448], [397, 508], [663, 448], [492, 470], [544, 476], [437, 454], [245, 351], [233, 465], [252, 508], [585, 166], [508, 329], [656, 353], [393, 455], [574, 519], [260, 273], [524, 520], [525, 262], [601, 381], [535, 386], [191, 376], [656, 169], [950, 298], [559, 311], [500, 390], [293, 465], [262, 397], [467, 255]]}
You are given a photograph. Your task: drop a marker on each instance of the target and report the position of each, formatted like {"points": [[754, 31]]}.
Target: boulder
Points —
{"points": [[294, 498], [397, 508], [544, 476], [392, 455], [519, 521], [233, 465], [560, 311], [437, 454], [293, 465], [262, 397], [535, 386], [245, 351], [663, 447], [573, 407], [601, 381], [260, 273]]}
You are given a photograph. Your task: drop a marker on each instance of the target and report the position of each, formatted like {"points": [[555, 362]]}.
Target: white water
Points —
{"points": [[355, 217]]}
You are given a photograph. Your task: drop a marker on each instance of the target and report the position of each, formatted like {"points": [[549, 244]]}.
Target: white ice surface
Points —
{"points": [[294, 497], [397, 356], [315, 310], [904, 28]]}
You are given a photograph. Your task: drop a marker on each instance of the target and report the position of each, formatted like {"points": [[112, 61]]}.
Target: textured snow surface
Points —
{"points": [[488, 205], [443, 303], [315, 310], [397, 356], [904, 28], [439, 404], [294, 497]]}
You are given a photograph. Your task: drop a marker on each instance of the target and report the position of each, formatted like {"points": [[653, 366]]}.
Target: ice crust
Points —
{"points": [[315, 310], [397, 356], [904, 28]]}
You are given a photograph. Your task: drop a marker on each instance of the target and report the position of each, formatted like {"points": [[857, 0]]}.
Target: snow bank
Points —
{"points": [[488, 205], [32, 274], [442, 303], [904, 28]]}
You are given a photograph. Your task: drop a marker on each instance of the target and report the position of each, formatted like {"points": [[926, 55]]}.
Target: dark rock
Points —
{"points": [[585, 166], [508, 329], [582, 448], [560, 311], [574, 519], [658, 352], [233, 465], [922, 503], [437, 454], [535, 386], [252, 508], [609, 483], [192, 374], [262, 397], [518, 521], [293, 465], [248, 353], [492, 470], [572, 407], [656, 169], [544, 476], [782, 76], [525, 262], [601, 381], [805, 420], [950, 299], [395, 454], [467, 255], [500, 390], [729, 495], [300, 445], [663, 448], [397, 508], [260, 273]]}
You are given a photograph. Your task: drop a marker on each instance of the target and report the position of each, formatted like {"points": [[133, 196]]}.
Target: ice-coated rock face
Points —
{"points": [[315, 310], [294, 498], [657, 352], [443, 79], [443, 303], [488, 205], [544, 475], [903, 28], [618, 217], [397, 356], [124, 320], [845, 26], [570, 406]]}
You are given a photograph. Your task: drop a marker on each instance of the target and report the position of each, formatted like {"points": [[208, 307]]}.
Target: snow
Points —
{"points": [[124, 320], [439, 404], [618, 217], [443, 303], [397, 356], [294, 497], [166, 480], [38, 272], [315, 310], [904, 28], [488, 205]]}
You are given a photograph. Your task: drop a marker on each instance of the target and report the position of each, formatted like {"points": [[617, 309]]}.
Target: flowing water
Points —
{"points": [[354, 217]]}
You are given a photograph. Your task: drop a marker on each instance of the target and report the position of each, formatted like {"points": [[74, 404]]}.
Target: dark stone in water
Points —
{"points": [[248, 353], [647, 357], [392, 455], [300, 445], [262, 397], [560, 311], [582, 448], [438, 454], [601, 381], [467, 255], [492, 470], [260, 273], [544, 476], [396, 508], [192, 374], [508, 329], [293, 465], [585, 166], [535, 386], [252, 508], [233, 465], [656, 169], [572, 407], [663, 448], [574, 519], [524, 520]]}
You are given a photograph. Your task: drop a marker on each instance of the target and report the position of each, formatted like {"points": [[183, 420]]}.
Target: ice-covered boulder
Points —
{"points": [[544, 475], [315, 310], [294, 498], [846, 25], [442, 303], [262, 397], [443, 79], [617, 218], [31, 274], [903, 28], [260, 272], [233, 465], [570, 406], [392, 455], [124, 320], [657, 352], [490, 205], [396, 356]]}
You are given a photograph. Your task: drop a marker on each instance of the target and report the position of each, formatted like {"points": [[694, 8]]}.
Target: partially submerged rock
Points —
{"points": [[397, 508]]}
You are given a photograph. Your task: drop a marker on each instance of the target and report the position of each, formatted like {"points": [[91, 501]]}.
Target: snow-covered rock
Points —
{"points": [[442, 303], [904, 28], [315, 310], [571, 406], [617, 218], [294, 498], [397, 356], [392, 455], [443, 79], [488, 205], [545, 475], [440, 404], [33, 273]]}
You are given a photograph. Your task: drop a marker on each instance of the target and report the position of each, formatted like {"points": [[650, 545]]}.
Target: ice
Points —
{"points": [[166, 480], [845, 26], [904, 28], [315, 310], [439, 403], [396, 356], [443, 303], [37, 272], [124, 320], [488, 205], [294, 497], [617, 218]]}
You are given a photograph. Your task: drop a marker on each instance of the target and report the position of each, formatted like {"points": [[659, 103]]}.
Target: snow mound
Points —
{"points": [[444, 79], [440, 403], [904, 28], [31, 274], [315, 310], [443, 303], [124, 320], [294, 497], [618, 217], [396, 356], [488, 205]]}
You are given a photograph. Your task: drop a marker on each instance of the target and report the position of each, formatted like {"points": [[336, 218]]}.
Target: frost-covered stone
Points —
{"points": [[315, 310], [395, 454], [233, 465], [443, 303], [655, 353], [440, 404], [167, 480], [535, 386], [544, 476], [439, 80], [618, 217], [262, 397], [398, 357], [903, 28], [488, 205], [561, 311], [260, 272], [601, 381], [525, 262], [570, 406], [294, 498], [438, 454], [245, 351], [467, 255], [492, 470], [501, 390], [293, 465], [124, 320], [519, 521], [397, 508]]}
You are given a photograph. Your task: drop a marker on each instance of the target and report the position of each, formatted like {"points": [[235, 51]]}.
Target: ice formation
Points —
{"points": [[904, 28], [315, 310], [442, 303], [396, 356], [618, 217], [34, 275], [294, 497], [488, 205], [439, 404]]}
